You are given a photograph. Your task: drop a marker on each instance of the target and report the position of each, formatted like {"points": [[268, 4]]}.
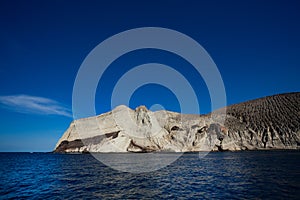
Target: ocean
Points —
{"points": [[218, 175]]}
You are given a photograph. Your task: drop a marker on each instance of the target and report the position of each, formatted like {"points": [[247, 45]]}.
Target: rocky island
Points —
{"points": [[267, 123]]}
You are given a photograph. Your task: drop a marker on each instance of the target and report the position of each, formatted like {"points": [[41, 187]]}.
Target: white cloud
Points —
{"points": [[34, 105]]}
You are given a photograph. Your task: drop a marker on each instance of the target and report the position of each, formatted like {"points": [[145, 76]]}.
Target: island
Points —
{"points": [[271, 122]]}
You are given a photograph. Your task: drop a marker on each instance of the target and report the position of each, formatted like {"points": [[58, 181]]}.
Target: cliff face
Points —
{"points": [[267, 123]]}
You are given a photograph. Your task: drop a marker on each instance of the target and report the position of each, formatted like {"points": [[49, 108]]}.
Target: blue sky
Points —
{"points": [[255, 45]]}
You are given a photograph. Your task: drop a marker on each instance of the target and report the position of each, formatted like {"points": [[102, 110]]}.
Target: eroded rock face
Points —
{"points": [[267, 123]]}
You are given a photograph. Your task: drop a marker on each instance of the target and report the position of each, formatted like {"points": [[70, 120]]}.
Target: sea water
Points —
{"points": [[218, 175]]}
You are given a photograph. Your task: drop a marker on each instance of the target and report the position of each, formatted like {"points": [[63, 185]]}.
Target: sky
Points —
{"points": [[254, 44]]}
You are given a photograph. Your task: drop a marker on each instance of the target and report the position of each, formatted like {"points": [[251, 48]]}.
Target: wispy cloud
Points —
{"points": [[34, 105]]}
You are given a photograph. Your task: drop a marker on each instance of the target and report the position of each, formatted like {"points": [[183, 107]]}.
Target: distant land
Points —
{"points": [[271, 122]]}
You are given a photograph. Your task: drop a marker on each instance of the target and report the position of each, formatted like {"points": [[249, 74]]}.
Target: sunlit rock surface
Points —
{"points": [[266, 123]]}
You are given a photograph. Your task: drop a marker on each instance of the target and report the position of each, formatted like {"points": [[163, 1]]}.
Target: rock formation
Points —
{"points": [[267, 123]]}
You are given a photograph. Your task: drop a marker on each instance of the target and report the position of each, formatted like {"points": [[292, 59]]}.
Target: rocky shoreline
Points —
{"points": [[269, 123]]}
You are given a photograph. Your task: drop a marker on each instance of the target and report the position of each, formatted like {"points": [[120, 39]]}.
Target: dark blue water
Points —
{"points": [[234, 175]]}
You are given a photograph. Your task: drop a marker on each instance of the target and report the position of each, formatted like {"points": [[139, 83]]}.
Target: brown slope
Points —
{"points": [[271, 118]]}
